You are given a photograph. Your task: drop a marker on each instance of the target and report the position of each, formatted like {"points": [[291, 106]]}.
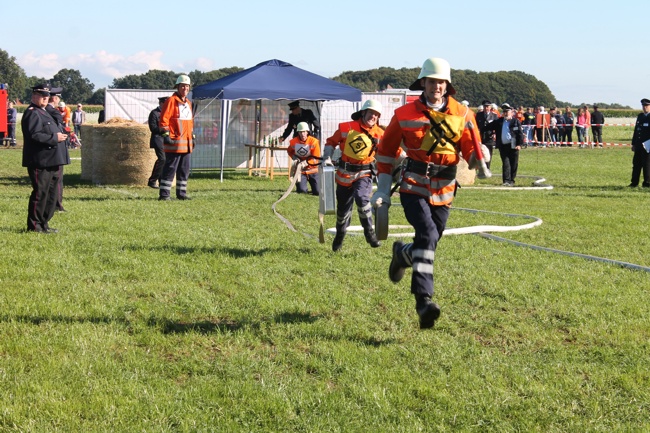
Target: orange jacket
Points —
{"points": [[308, 150], [345, 177], [66, 115], [176, 119], [408, 127]]}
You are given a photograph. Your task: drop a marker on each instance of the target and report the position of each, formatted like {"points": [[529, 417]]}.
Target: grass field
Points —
{"points": [[212, 316]]}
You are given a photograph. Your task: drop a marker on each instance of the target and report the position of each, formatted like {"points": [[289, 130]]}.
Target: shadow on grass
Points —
{"points": [[237, 253], [203, 327]]}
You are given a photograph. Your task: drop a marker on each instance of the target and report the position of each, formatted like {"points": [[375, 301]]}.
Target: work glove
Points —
{"points": [[304, 165], [166, 138], [382, 195], [328, 162], [473, 160], [294, 167]]}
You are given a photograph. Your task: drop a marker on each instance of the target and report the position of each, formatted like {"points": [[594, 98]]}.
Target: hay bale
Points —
{"points": [[87, 152], [464, 175], [121, 153]]}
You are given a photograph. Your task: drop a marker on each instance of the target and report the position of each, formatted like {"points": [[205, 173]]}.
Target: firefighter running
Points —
{"points": [[433, 131], [357, 141]]}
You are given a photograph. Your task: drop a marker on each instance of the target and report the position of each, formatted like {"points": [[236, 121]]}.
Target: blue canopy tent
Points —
{"points": [[272, 80]]}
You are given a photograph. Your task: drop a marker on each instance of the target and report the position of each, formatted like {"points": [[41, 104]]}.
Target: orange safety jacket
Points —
{"points": [[408, 128], [346, 177], [308, 150], [176, 119]]}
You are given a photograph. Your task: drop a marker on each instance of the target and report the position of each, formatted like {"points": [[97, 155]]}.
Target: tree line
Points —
{"points": [[514, 87]]}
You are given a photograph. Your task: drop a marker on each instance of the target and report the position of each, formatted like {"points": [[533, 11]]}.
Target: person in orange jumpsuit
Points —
{"points": [[433, 131], [177, 130], [304, 150], [357, 141]]}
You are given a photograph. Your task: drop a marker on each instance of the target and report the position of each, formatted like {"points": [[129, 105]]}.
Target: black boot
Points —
{"points": [[396, 268], [371, 237], [428, 311], [338, 241]]}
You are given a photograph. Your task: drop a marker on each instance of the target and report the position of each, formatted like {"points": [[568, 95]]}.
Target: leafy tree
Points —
{"points": [[151, 80], [12, 75], [75, 88], [98, 97]]}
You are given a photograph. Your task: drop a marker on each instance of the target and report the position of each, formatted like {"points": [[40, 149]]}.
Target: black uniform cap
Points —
{"points": [[486, 102], [645, 101], [42, 89], [163, 99], [294, 104]]}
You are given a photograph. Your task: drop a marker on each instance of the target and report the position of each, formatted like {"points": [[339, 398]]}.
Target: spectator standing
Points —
{"points": [[542, 128], [509, 139], [528, 125], [581, 127], [304, 150], [357, 141], [553, 128], [156, 143], [597, 121], [78, 119], [298, 115], [44, 152], [12, 118], [65, 112], [433, 131], [177, 127], [568, 121], [483, 120], [102, 116], [641, 160]]}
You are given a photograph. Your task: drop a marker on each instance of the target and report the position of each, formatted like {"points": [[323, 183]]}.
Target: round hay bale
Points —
{"points": [[87, 152], [121, 153], [464, 175]]}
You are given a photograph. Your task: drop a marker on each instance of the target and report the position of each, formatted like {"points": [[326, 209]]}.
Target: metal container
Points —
{"points": [[327, 196]]}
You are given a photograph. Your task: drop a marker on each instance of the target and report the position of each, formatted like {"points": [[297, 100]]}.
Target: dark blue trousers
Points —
{"points": [[429, 222], [176, 164]]}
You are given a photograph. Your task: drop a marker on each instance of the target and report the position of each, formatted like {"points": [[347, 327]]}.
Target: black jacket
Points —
{"points": [[641, 132], [515, 131], [483, 120], [304, 116], [156, 139], [41, 149], [597, 118]]}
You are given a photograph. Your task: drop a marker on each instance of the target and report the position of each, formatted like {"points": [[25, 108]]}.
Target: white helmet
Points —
{"points": [[373, 105], [465, 103], [434, 67], [302, 126], [61, 104], [183, 79]]}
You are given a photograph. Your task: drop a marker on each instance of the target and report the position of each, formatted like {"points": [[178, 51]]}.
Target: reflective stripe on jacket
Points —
{"points": [[345, 177], [408, 128], [176, 118], [306, 151]]}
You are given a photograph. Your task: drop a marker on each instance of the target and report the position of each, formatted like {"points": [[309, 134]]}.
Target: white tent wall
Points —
{"points": [[132, 104], [249, 122]]}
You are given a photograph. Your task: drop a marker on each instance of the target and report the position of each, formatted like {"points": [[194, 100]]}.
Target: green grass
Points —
{"points": [[211, 315]]}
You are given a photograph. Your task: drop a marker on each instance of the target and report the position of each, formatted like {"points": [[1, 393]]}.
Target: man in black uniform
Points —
{"points": [[44, 153], [641, 160], [156, 143], [483, 120], [597, 120], [299, 115]]}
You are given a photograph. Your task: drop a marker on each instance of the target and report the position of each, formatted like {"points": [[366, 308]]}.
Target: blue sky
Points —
{"points": [[585, 51]]}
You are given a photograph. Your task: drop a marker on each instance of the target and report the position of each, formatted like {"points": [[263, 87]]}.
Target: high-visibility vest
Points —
{"points": [[408, 129]]}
